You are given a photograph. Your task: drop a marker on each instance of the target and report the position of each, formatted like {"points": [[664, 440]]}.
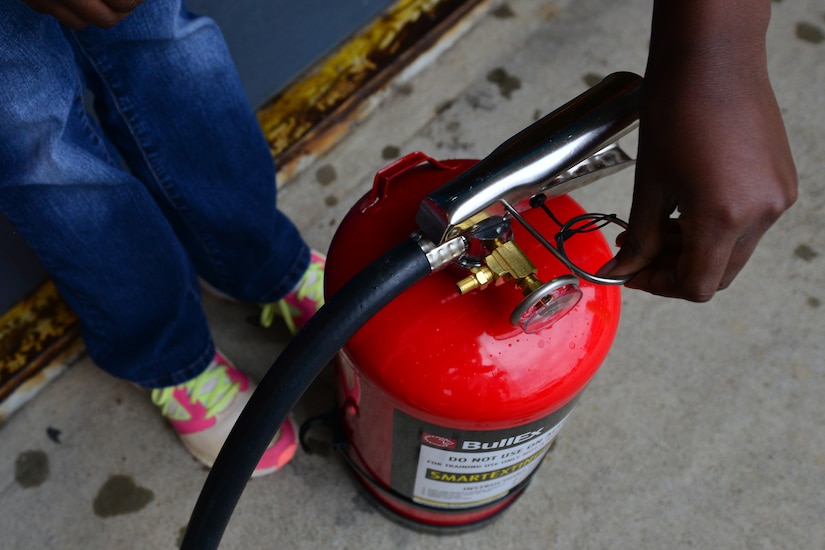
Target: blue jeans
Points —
{"points": [[172, 180]]}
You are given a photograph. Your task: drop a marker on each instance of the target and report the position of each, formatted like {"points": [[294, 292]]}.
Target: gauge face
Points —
{"points": [[547, 304]]}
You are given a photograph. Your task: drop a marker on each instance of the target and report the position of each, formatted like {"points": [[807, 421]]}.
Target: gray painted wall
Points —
{"points": [[273, 41]]}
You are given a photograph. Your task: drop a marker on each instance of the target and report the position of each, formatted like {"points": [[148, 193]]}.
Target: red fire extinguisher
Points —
{"points": [[465, 318], [447, 407]]}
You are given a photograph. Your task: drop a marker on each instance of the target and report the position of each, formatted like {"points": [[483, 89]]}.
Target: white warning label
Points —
{"points": [[463, 474]]}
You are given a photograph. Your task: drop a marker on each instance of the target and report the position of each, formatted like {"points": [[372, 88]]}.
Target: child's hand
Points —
{"points": [[77, 14]]}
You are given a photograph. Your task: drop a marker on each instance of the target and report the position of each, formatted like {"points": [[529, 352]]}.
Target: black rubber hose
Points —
{"points": [[289, 377]]}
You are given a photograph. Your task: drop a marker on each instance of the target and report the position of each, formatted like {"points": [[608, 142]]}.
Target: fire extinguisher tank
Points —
{"points": [[447, 408]]}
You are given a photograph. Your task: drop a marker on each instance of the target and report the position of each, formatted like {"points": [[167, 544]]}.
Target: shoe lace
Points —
{"points": [[213, 388], [311, 286]]}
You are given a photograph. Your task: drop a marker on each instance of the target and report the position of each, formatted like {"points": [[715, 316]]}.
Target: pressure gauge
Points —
{"points": [[547, 304]]}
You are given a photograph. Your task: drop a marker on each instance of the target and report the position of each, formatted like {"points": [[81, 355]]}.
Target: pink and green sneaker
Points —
{"points": [[306, 298], [203, 410]]}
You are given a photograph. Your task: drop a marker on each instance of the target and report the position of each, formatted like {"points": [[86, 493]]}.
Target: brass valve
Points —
{"points": [[506, 261]]}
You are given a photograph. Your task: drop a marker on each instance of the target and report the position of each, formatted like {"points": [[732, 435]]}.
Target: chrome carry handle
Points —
{"points": [[568, 148]]}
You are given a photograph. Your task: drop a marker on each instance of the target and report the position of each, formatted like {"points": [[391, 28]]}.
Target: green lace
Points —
{"points": [[213, 389], [312, 286]]}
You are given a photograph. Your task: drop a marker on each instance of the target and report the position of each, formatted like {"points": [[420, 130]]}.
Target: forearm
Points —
{"points": [[721, 42], [708, 64]]}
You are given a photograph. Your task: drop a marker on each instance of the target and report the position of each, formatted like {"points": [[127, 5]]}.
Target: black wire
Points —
{"points": [[592, 222], [538, 202]]}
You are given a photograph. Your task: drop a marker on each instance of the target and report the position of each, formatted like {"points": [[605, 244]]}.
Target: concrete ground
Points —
{"points": [[703, 429]]}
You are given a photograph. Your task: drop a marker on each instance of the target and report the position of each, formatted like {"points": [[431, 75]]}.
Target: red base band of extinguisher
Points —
{"points": [[399, 507], [431, 520]]}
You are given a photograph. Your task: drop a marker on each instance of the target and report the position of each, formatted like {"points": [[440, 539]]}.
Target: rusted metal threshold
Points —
{"points": [[317, 110], [39, 336]]}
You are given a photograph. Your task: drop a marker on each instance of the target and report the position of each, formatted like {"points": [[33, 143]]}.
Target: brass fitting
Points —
{"points": [[506, 261], [480, 278]]}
